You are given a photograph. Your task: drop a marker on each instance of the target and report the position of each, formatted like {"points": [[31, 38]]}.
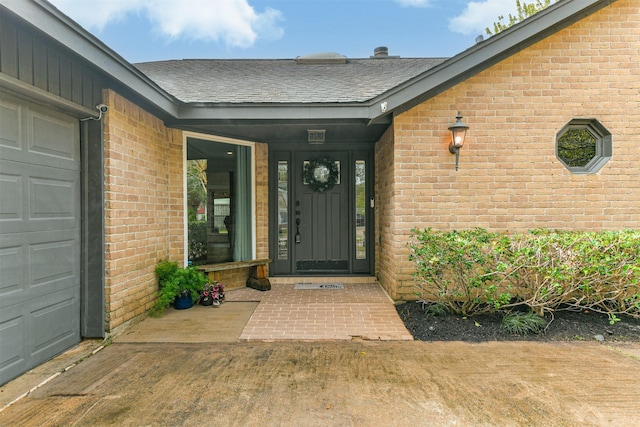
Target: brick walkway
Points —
{"points": [[360, 310]]}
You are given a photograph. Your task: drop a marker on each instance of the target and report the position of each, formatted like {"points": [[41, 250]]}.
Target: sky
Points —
{"points": [[154, 30]]}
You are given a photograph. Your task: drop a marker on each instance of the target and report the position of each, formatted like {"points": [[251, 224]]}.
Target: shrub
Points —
{"points": [[475, 271], [460, 269], [576, 270]]}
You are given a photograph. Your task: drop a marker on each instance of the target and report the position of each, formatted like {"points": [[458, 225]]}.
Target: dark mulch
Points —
{"points": [[566, 326]]}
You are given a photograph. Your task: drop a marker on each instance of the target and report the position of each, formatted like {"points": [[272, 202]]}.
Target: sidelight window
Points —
{"points": [[361, 209]]}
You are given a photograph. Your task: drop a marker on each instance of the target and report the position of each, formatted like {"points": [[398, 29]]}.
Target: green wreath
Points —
{"points": [[321, 174]]}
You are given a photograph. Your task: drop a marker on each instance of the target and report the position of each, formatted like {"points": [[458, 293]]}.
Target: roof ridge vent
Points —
{"points": [[322, 58]]}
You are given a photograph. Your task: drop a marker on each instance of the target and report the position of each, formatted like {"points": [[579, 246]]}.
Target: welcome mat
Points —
{"points": [[310, 286]]}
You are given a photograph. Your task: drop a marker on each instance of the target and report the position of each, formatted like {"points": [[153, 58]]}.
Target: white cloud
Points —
{"points": [[233, 21], [414, 3], [478, 15]]}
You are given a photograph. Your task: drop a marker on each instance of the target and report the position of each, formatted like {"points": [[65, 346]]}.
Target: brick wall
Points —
{"points": [[384, 251], [262, 200], [144, 209], [509, 177]]}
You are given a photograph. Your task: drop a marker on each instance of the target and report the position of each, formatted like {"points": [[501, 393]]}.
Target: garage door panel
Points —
{"points": [[52, 199], [38, 198], [55, 139], [12, 360], [52, 325], [10, 125], [36, 135], [12, 277], [53, 264], [38, 264], [11, 201]]}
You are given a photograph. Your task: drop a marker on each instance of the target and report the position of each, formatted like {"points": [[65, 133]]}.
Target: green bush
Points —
{"points": [[197, 240], [475, 271], [174, 281], [460, 269]]}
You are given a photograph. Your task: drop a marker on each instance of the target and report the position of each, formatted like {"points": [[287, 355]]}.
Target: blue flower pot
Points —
{"points": [[182, 302]]}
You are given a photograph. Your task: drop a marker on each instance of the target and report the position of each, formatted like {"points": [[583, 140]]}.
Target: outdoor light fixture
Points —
{"points": [[458, 132]]}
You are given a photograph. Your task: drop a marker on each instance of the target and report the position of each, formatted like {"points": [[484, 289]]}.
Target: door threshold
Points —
{"points": [[278, 280]]}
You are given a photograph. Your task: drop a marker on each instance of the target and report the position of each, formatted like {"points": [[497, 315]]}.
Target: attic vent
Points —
{"points": [[381, 51], [315, 136], [322, 58]]}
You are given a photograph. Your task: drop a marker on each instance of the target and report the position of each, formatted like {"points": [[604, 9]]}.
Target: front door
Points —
{"points": [[323, 209]]}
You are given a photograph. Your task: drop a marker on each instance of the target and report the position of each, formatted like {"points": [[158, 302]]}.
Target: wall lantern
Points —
{"points": [[458, 132]]}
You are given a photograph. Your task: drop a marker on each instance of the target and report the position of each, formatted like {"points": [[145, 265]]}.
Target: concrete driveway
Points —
{"points": [[303, 362], [347, 383]]}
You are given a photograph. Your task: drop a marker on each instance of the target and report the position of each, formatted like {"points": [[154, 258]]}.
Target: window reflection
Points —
{"points": [[283, 210], [361, 210], [219, 199]]}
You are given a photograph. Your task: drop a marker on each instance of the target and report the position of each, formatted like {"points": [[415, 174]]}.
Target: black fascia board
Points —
{"points": [[483, 55], [226, 111]]}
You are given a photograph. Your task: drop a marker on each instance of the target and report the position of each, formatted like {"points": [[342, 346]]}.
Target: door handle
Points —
{"points": [[298, 239]]}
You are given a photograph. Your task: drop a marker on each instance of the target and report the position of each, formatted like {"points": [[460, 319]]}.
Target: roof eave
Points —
{"points": [[481, 56], [293, 111], [68, 33]]}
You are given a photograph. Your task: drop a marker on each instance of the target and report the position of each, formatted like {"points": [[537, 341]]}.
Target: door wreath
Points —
{"points": [[321, 174]]}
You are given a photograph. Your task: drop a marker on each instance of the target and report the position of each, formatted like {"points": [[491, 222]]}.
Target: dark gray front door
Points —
{"points": [[321, 231], [321, 237]]}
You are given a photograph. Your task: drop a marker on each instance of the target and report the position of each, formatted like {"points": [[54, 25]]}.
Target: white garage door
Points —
{"points": [[39, 235]]}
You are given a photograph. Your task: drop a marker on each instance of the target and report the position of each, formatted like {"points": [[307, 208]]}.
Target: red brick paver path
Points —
{"points": [[360, 310]]}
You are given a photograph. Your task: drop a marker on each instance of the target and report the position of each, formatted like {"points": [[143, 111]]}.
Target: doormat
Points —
{"points": [[309, 286]]}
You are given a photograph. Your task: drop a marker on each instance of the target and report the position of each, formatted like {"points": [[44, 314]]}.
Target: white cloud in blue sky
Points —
{"points": [[478, 15], [234, 22], [147, 30]]}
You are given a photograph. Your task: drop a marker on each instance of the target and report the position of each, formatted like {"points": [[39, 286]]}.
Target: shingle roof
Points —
{"points": [[282, 80]]}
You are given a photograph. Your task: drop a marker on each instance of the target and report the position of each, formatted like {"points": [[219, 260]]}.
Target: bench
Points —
{"points": [[258, 278]]}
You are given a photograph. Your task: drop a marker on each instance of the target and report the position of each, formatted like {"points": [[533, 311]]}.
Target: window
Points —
{"points": [[361, 209], [283, 209], [219, 188], [583, 146]]}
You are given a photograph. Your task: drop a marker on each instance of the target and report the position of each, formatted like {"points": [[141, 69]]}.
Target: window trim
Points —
{"points": [[604, 148]]}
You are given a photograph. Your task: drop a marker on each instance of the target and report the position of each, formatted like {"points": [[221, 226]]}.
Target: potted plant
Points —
{"points": [[212, 293], [178, 286]]}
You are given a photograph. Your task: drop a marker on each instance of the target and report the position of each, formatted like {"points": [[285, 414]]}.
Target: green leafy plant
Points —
{"points": [[476, 271], [461, 270], [519, 323], [432, 309], [174, 281]]}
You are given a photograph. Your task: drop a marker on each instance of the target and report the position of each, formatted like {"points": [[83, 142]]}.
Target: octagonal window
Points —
{"points": [[583, 146]]}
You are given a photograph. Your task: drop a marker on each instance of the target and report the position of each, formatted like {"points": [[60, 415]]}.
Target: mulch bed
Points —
{"points": [[566, 326]]}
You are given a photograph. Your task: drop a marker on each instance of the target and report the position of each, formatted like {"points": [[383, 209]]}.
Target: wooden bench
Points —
{"points": [[259, 274]]}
